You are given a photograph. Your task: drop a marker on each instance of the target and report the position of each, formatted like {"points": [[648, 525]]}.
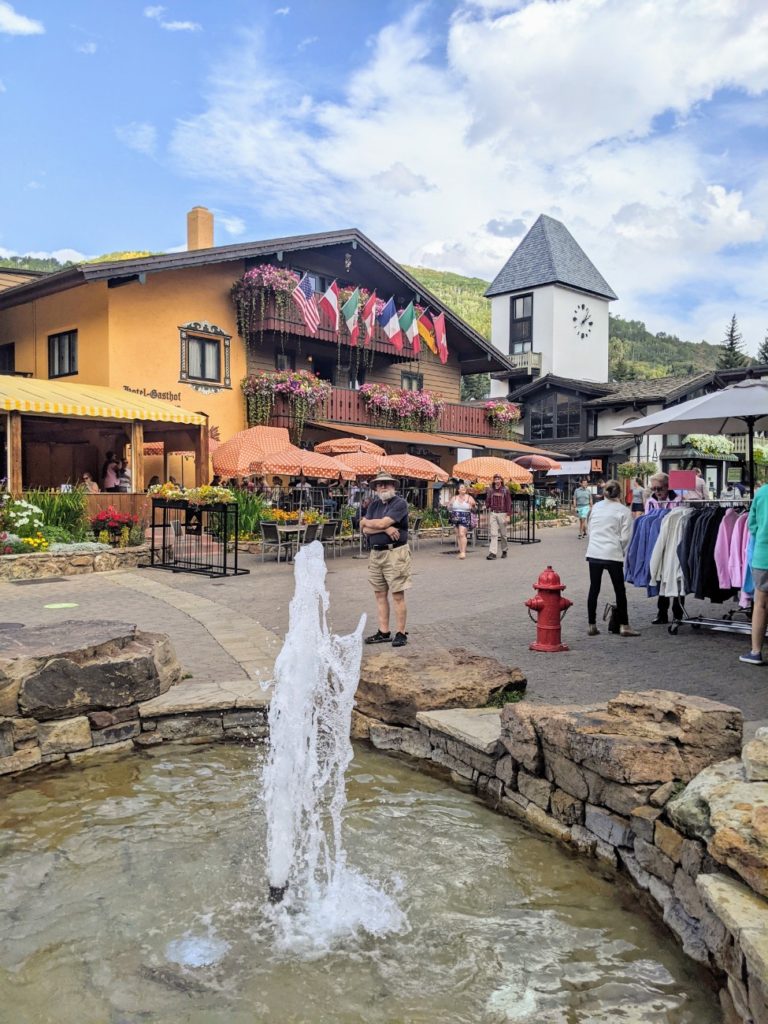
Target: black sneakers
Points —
{"points": [[401, 639], [504, 553], [489, 558], [379, 638]]}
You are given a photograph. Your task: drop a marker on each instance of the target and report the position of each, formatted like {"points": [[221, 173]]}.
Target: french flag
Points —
{"points": [[390, 324]]}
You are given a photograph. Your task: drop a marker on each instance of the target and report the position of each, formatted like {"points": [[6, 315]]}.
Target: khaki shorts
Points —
{"points": [[390, 570], [760, 579]]}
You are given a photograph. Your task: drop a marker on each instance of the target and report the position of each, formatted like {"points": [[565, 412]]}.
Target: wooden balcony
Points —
{"points": [[347, 406]]}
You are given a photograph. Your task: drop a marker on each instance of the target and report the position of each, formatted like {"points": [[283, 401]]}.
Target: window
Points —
{"points": [[8, 358], [204, 355], [412, 381], [285, 360], [62, 354], [555, 415], [520, 323]]}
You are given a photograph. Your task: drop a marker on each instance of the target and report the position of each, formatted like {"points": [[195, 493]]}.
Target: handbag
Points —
{"points": [[474, 520], [611, 616]]}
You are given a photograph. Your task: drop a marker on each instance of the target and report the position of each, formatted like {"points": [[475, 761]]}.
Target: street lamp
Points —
{"points": [[638, 439]]}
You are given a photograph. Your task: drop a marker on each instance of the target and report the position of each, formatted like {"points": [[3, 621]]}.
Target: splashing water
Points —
{"points": [[320, 897]]}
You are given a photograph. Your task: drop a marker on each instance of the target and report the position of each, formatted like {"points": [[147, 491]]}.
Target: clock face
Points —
{"points": [[582, 320]]}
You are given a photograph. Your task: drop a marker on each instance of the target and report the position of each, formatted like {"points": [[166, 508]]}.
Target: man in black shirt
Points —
{"points": [[385, 524]]}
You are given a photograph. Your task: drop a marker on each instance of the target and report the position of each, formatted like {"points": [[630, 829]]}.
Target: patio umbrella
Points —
{"points": [[741, 408], [234, 457], [346, 445], [485, 468], [537, 462], [362, 463], [412, 466], [298, 462]]}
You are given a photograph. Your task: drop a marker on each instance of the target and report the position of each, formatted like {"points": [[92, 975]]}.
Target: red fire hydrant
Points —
{"points": [[551, 606]]}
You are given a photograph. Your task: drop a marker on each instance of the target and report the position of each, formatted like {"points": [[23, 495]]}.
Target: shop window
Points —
{"points": [[204, 355], [285, 360], [555, 415], [520, 323], [412, 381], [8, 358], [62, 354]]}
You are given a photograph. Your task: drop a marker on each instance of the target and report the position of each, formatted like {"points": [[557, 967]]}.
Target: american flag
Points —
{"points": [[304, 297]]}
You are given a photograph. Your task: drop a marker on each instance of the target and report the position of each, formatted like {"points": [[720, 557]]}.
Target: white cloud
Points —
{"points": [[546, 107], [87, 48], [282, 10], [138, 135], [156, 12], [62, 255], [2, 86], [308, 41], [234, 226], [18, 24]]}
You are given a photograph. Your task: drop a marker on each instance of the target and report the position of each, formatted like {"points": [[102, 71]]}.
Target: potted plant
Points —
{"points": [[502, 416]]}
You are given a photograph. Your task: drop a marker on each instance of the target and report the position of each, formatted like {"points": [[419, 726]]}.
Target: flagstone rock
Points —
{"points": [[64, 736], [689, 810], [394, 688], [755, 758], [739, 819], [20, 761]]}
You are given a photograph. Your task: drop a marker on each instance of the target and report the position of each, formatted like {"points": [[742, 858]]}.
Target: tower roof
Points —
{"points": [[549, 254]]}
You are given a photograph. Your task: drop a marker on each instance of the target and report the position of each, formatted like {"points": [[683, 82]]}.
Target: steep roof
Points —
{"points": [[549, 254], [660, 389], [550, 380]]}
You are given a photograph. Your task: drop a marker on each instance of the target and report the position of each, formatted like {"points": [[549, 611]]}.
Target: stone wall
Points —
{"points": [[40, 564], [650, 784]]}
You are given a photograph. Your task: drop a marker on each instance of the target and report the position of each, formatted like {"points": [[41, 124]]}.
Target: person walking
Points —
{"points": [[638, 498], [582, 503], [758, 527], [498, 502], [609, 531], [385, 524], [460, 512]]}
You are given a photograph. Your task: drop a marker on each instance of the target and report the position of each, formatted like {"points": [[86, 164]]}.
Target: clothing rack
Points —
{"points": [[726, 623]]}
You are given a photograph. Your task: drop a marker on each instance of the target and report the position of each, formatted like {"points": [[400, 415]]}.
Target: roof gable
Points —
{"points": [[549, 254], [550, 382], [658, 389]]}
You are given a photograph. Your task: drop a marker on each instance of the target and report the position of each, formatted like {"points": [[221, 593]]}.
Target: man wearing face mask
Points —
{"points": [[385, 524]]}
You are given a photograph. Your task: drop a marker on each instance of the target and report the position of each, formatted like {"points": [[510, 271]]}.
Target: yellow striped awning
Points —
{"points": [[58, 398]]}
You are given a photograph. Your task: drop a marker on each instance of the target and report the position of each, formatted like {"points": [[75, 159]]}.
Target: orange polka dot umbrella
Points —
{"points": [[414, 467], [361, 463], [235, 456], [298, 462], [345, 445], [485, 468]]}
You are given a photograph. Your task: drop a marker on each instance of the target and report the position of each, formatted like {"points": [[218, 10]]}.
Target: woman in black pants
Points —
{"points": [[609, 530]]}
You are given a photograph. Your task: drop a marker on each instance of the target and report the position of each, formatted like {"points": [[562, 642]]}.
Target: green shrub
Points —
{"points": [[65, 510], [57, 535], [251, 508]]}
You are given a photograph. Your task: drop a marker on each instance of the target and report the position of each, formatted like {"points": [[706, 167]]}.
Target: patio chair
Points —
{"points": [[413, 532], [329, 536], [271, 540], [310, 534]]}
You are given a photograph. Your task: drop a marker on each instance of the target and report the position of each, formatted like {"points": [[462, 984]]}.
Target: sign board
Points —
{"points": [[682, 480], [733, 474]]}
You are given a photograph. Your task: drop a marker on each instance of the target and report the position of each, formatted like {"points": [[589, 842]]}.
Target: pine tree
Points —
{"points": [[731, 355], [762, 352]]}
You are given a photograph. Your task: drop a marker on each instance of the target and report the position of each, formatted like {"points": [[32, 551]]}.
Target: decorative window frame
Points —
{"points": [[208, 332]]}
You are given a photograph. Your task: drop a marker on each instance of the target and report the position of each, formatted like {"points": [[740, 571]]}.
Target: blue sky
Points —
{"points": [[440, 128]]}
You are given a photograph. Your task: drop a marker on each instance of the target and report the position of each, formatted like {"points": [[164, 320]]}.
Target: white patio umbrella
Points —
{"points": [[741, 408]]}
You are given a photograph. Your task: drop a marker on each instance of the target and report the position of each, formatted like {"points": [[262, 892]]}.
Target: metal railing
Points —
{"points": [[199, 539]]}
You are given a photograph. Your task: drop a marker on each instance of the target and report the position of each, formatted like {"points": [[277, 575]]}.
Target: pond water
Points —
{"points": [[135, 891]]}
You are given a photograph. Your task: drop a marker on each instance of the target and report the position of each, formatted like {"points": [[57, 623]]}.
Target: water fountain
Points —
{"points": [[304, 785]]}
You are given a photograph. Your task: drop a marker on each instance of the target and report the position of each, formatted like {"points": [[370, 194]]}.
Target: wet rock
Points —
{"points": [[177, 727], [100, 753], [6, 739], [687, 930], [506, 770], [394, 689], [20, 761], [115, 733], [755, 759], [643, 822], [519, 736], [360, 726], [567, 808], [64, 736], [611, 828], [544, 823], [654, 861], [689, 810], [685, 890], [669, 841], [533, 789]]}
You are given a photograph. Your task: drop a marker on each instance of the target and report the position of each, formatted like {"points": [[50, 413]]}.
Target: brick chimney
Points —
{"points": [[199, 228]]}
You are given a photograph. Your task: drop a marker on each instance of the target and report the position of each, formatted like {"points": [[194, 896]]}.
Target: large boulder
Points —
{"points": [[395, 685], [65, 670]]}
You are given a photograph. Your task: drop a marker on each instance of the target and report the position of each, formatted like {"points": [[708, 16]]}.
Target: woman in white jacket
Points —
{"points": [[609, 530]]}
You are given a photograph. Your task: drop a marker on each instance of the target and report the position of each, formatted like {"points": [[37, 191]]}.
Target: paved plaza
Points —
{"points": [[230, 630]]}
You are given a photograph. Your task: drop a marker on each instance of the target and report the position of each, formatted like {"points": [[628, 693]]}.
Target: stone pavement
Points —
{"points": [[227, 630]]}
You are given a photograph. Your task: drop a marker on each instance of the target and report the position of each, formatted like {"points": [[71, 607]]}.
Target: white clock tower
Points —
{"points": [[549, 309]]}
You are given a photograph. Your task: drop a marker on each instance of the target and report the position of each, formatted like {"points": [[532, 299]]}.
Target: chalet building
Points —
{"points": [[166, 327]]}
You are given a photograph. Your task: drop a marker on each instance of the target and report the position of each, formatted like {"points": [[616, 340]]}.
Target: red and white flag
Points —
{"points": [[330, 303], [304, 297], [438, 322], [369, 317]]}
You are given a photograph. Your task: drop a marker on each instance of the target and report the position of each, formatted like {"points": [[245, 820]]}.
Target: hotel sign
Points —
{"points": [[161, 396]]}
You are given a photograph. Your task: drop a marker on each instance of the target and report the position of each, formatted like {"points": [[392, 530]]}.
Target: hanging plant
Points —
{"points": [[306, 396], [715, 445], [251, 293], [401, 408], [502, 416], [630, 470]]}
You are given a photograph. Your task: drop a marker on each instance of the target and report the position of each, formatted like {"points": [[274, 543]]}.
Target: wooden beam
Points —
{"points": [[202, 467], [137, 456], [14, 453]]}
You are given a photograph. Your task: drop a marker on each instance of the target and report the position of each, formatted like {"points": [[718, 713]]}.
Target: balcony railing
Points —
{"points": [[527, 362], [347, 406]]}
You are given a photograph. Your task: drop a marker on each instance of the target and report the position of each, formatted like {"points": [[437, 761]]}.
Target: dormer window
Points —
{"points": [[520, 324]]}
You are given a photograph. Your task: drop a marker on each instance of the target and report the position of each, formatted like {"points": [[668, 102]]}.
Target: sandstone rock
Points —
{"points": [[459, 768], [513, 804], [643, 822], [730, 1014], [115, 733], [393, 689], [567, 808], [233, 719], [534, 789], [179, 727], [685, 889], [691, 856], [669, 841], [758, 1001], [9, 693], [733, 903], [506, 770], [64, 736], [566, 775], [638, 874], [519, 737], [660, 796], [544, 823], [739, 818], [689, 810], [360, 726], [24, 729], [20, 761], [687, 930], [755, 759], [6, 739], [252, 733], [611, 828], [754, 942], [386, 737], [148, 739], [584, 841], [100, 753], [654, 861]]}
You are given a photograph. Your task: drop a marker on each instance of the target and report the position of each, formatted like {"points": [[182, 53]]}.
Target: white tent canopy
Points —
{"points": [[582, 468]]}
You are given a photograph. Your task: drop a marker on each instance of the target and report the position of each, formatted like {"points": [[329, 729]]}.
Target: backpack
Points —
{"points": [[611, 616]]}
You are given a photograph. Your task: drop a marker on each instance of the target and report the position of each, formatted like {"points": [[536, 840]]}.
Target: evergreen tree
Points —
{"points": [[731, 355], [474, 386], [762, 352]]}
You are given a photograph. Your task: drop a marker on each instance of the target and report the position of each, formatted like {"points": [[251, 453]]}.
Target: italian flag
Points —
{"points": [[410, 328], [349, 312]]}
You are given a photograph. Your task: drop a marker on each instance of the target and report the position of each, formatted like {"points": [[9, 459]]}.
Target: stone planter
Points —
{"points": [[41, 564]]}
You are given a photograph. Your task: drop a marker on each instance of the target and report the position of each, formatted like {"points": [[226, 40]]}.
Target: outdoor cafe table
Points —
{"points": [[293, 531]]}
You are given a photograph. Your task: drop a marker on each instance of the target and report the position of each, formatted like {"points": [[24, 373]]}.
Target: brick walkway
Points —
{"points": [[229, 629]]}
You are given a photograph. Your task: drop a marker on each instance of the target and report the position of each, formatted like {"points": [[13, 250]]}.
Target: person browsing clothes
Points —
{"points": [[610, 528], [385, 524], [498, 502]]}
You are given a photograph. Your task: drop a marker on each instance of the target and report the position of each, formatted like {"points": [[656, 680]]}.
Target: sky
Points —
{"points": [[440, 128]]}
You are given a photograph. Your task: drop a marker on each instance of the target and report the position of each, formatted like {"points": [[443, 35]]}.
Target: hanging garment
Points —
{"points": [[706, 584], [665, 568], [748, 587], [738, 551], [644, 536], [723, 547]]}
